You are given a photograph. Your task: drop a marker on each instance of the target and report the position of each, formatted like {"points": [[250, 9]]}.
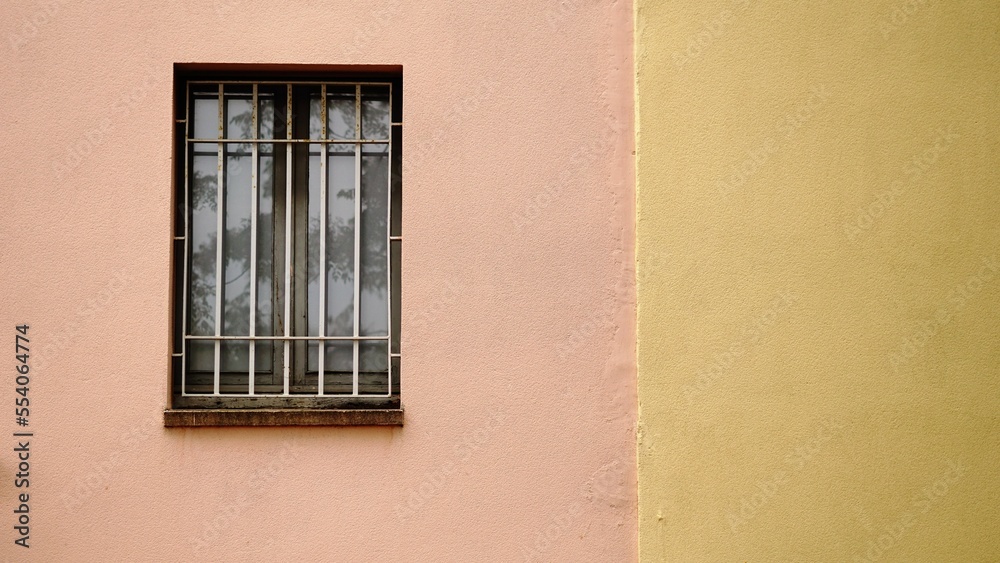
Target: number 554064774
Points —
{"points": [[22, 379]]}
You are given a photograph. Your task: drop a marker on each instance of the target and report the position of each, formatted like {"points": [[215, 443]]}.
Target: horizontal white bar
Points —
{"points": [[284, 141], [280, 338], [292, 82], [294, 395]]}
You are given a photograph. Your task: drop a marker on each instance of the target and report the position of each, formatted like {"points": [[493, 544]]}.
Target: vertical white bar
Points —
{"points": [[288, 235], [253, 247], [322, 239], [388, 250], [219, 237], [357, 229], [188, 111]]}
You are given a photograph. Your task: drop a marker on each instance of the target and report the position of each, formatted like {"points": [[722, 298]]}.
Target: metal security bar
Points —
{"points": [[219, 229], [206, 325]]}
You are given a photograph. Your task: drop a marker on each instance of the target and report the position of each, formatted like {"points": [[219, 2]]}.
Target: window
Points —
{"points": [[287, 249]]}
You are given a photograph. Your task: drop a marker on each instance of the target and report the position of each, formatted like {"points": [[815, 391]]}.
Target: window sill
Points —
{"points": [[282, 417]]}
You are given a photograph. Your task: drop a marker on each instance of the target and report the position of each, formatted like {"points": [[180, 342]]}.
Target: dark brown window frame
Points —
{"points": [[214, 410]]}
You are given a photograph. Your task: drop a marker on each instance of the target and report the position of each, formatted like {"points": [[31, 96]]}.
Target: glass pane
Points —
{"points": [[239, 112], [375, 112], [396, 280], [265, 117], [310, 384], [235, 358], [339, 376], [373, 368], [200, 357], [265, 246], [339, 357], [271, 99], [340, 241], [264, 356], [315, 111], [236, 245], [203, 221], [373, 357], [374, 258], [312, 243], [205, 117], [341, 113], [268, 365], [313, 353]]}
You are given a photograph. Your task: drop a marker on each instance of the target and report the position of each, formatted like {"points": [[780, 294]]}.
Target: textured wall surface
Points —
{"points": [[518, 306], [818, 280]]}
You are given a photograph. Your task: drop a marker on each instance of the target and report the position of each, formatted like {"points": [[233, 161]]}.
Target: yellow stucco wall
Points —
{"points": [[817, 263]]}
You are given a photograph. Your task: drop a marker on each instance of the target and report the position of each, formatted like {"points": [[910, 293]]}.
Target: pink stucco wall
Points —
{"points": [[518, 302]]}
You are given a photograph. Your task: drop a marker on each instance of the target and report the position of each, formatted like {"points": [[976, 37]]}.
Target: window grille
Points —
{"points": [[290, 235]]}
